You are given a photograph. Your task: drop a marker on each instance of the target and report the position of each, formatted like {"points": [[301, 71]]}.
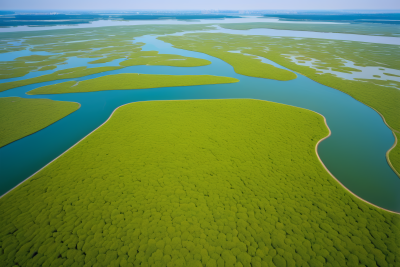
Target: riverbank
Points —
{"points": [[374, 95], [316, 152], [20, 117]]}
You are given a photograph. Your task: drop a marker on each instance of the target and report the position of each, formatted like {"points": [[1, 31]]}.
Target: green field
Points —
{"points": [[128, 81], [20, 117], [195, 183], [383, 96]]}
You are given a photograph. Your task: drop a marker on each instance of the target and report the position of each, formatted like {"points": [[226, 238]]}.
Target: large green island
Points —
{"points": [[195, 183]]}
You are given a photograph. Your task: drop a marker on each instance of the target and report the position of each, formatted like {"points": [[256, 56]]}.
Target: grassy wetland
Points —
{"points": [[187, 183], [179, 183], [381, 95], [105, 44], [20, 117]]}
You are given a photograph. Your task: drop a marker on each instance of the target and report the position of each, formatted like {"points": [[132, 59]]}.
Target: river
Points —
{"points": [[354, 153]]}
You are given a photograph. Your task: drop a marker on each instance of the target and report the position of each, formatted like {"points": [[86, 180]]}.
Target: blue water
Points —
{"points": [[355, 153]]}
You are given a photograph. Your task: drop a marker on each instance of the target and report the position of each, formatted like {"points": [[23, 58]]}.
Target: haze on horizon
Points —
{"points": [[199, 5]]}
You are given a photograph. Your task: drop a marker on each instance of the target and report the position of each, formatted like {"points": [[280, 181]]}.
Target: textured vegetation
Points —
{"points": [[364, 28], [130, 81], [58, 75], [383, 96], [20, 117], [181, 183]]}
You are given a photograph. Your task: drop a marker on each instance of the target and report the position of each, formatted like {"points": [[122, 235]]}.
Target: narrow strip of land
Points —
{"points": [[127, 81]]}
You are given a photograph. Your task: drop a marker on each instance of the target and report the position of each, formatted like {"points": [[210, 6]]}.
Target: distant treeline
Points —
{"points": [[62, 19], [57, 17], [4, 12], [172, 16], [392, 18], [9, 23]]}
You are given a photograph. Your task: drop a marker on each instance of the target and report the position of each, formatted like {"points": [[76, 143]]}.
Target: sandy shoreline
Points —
{"points": [[316, 152], [383, 118]]}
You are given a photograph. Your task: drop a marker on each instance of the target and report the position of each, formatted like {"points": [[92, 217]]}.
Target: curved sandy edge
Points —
{"points": [[316, 147], [316, 152], [296, 72], [47, 125], [68, 149], [383, 118]]}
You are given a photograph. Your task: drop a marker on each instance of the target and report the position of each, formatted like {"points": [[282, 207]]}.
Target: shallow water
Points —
{"points": [[71, 62], [363, 73], [319, 35], [355, 153], [10, 56]]}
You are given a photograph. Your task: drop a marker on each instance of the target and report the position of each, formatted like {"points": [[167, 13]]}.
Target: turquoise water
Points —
{"points": [[355, 153]]}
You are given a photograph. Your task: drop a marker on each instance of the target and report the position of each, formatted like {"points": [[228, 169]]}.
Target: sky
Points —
{"points": [[198, 5]]}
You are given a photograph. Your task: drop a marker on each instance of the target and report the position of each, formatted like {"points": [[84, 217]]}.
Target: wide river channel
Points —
{"points": [[354, 153]]}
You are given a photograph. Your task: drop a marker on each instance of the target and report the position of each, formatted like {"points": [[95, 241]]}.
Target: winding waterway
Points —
{"points": [[354, 153]]}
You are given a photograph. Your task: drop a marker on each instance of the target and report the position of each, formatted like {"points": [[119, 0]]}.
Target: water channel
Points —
{"points": [[354, 153]]}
